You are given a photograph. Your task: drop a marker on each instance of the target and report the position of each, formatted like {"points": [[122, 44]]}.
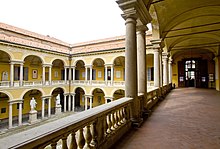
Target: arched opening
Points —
{"points": [[5, 111], [55, 93], [98, 97], [119, 68], [32, 70], [37, 95], [57, 70], [150, 69], [98, 70], [79, 99], [118, 94], [5, 68], [80, 70]]}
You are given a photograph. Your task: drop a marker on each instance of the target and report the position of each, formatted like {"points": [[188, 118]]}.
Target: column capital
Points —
{"points": [[165, 55], [88, 66], [157, 43], [45, 97], [17, 62], [141, 29], [15, 101], [109, 65], [90, 96]]}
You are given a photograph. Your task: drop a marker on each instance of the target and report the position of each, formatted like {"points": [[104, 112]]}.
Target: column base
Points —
{"points": [[32, 116], [58, 109], [136, 123]]}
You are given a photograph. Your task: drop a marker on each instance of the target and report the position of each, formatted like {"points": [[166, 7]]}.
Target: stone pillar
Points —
{"points": [[69, 102], [73, 102], [90, 101], [70, 74], [20, 114], [64, 108], [49, 106], [65, 74], [90, 74], [161, 70], [10, 115], [165, 69], [11, 74], [112, 74], [141, 57], [50, 74], [156, 68], [86, 103], [131, 67], [170, 70], [73, 73], [106, 74], [43, 74], [21, 74], [86, 74], [42, 108]]}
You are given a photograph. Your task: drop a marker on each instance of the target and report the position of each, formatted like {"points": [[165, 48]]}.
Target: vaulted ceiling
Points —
{"points": [[187, 25]]}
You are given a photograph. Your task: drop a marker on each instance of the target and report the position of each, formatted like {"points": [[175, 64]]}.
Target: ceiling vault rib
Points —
{"points": [[214, 30], [190, 27], [157, 1]]}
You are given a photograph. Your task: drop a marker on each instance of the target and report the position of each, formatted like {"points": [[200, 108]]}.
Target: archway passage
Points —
{"points": [[55, 93], [98, 69], [118, 94], [119, 68], [5, 68], [98, 97], [57, 70], [79, 99], [4, 110], [80, 70]]}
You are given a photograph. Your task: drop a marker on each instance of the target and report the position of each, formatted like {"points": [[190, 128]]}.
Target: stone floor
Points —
{"points": [[188, 118]]}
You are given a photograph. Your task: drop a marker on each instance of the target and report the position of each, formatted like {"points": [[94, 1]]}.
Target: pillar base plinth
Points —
{"points": [[58, 109], [32, 116], [136, 123]]}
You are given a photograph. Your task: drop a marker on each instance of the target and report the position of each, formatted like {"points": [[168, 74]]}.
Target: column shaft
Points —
{"points": [[64, 108], [156, 68], [21, 74], [106, 74], [10, 116], [50, 74], [20, 114], [70, 74], [170, 71], [86, 73], [43, 75], [86, 104], [42, 108], [90, 101], [165, 71], [65, 74], [69, 102], [49, 107], [73, 102], [12, 74], [73, 73], [112, 74], [90, 74]]}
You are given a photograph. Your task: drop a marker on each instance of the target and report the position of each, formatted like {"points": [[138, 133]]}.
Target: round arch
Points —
{"points": [[120, 55], [96, 58], [76, 61], [27, 90], [54, 88], [8, 54], [64, 63], [27, 55]]}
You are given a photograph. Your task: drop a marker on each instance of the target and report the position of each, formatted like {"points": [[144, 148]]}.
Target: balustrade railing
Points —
{"points": [[58, 82], [4, 83], [119, 83], [32, 83], [99, 127]]}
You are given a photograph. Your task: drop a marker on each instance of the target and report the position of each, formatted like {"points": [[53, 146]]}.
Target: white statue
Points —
{"points": [[58, 100], [33, 103]]}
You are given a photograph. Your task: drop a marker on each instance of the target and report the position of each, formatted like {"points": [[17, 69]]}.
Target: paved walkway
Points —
{"points": [[188, 118]]}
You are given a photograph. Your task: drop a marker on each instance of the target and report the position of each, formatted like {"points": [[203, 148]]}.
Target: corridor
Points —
{"points": [[188, 118]]}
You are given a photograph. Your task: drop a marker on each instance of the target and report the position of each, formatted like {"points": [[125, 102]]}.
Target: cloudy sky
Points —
{"points": [[72, 21]]}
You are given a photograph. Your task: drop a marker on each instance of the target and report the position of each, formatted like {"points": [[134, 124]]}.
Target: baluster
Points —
{"points": [[112, 121], [94, 135], [105, 126], [116, 119], [64, 142], [119, 117], [54, 145], [109, 123], [73, 144], [88, 137], [81, 140]]}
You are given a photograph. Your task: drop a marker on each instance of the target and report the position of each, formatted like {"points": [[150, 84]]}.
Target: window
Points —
{"points": [[150, 74], [3, 110]]}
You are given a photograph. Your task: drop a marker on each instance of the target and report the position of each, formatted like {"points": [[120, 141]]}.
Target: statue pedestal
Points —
{"points": [[58, 109], [32, 116]]}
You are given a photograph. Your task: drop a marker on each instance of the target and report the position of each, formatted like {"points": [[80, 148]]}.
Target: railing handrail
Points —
{"points": [[49, 131]]}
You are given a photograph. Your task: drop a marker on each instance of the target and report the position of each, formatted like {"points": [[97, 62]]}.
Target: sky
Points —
{"points": [[71, 21]]}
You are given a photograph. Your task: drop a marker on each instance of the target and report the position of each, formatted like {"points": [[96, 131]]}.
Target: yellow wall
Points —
{"points": [[121, 69], [98, 69], [6, 68], [4, 104], [98, 99]]}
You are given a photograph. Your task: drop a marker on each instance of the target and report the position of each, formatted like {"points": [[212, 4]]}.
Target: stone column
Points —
{"points": [[64, 108], [161, 70], [170, 71], [21, 74], [65, 74], [43, 74], [42, 108], [86, 74], [10, 115], [156, 68], [141, 57], [11, 74], [49, 106], [90, 101], [165, 69], [50, 74], [20, 114], [217, 73], [106, 74], [69, 102], [70, 74], [73, 73], [86, 103], [131, 67], [112, 74], [90, 74], [73, 102]]}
